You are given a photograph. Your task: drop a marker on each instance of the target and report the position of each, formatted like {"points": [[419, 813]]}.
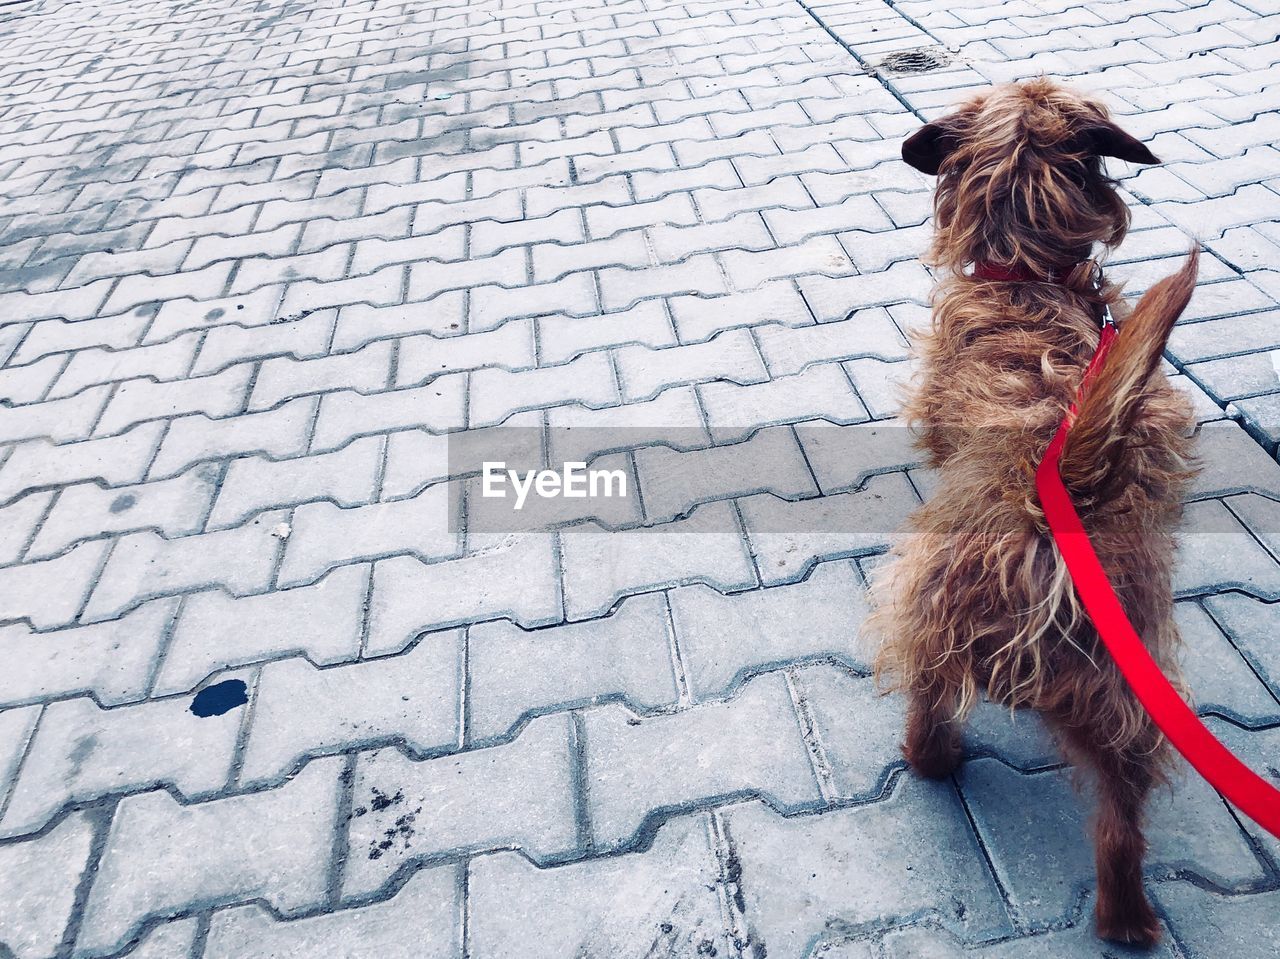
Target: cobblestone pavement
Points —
{"points": [[259, 260]]}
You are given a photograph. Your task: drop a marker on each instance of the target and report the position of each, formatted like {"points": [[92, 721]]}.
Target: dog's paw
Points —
{"points": [[1136, 925], [935, 758]]}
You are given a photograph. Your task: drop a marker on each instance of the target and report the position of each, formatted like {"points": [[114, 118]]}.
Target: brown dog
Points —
{"points": [[977, 601]]}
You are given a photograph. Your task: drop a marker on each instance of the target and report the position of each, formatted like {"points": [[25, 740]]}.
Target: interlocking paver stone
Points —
{"points": [[795, 873], [421, 919], [277, 282], [1190, 829], [413, 698], [162, 857], [748, 745], [404, 810], [38, 880], [665, 898], [723, 637], [143, 565], [111, 660], [82, 752]]}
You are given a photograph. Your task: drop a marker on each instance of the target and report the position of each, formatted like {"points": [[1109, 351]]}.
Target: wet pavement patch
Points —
{"points": [[220, 698]]}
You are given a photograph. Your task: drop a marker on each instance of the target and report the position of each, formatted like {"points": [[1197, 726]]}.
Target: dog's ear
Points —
{"points": [[929, 146], [1108, 140]]}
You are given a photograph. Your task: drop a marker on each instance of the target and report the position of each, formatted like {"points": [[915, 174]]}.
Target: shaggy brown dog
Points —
{"points": [[977, 601]]}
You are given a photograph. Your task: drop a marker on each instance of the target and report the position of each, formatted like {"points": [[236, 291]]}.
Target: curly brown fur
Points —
{"points": [[976, 601]]}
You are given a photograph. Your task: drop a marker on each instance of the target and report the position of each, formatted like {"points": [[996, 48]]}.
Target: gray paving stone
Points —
{"points": [[24, 591], [16, 729], [113, 660], [707, 547], [731, 356], [162, 857], [145, 565], [1207, 923], [621, 287], [836, 298], [724, 638], [38, 880], [416, 459], [438, 406], [562, 338], [697, 318], [190, 439], [412, 699], [30, 383], [421, 919], [819, 392], [18, 523], [174, 507], [254, 483], [1231, 461], [789, 350], [360, 323], [672, 419], [858, 729], [1224, 337], [135, 401], [1076, 942], [491, 306], [673, 481], [796, 874], [405, 811], [1249, 624], [1217, 552], [513, 576], [422, 358], [162, 361], [301, 339], [1189, 829], [844, 457], [512, 671], [496, 393], [61, 421], [366, 371], [115, 460], [177, 316], [174, 938], [1257, 750], [1237, 377], [82, 752], [1221, 679], [666, 762], [664, 899], [216, 631], [788, 537], [1261, 417], [323, 535]]}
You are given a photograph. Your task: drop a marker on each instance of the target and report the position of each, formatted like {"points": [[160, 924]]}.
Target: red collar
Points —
{"points": [[1017, 274]]}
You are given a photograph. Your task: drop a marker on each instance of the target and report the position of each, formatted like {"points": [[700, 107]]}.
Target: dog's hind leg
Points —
{"points": [[933, 745], [1125, 777]]}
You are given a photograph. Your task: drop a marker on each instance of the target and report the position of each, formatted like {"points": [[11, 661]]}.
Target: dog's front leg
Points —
{"points": [[933, 744]]}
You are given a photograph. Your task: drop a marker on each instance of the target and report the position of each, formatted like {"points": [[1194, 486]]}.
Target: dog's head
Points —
{"points": [[1021, 180]]}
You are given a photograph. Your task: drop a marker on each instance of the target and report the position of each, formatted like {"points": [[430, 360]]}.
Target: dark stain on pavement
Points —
{"points": [[220, 698]]}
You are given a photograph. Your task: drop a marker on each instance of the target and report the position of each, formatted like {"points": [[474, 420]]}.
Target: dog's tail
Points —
{"points": [[1115, 396]]}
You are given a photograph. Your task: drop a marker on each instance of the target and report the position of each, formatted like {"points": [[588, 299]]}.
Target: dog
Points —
{"points": [[976, 601]]}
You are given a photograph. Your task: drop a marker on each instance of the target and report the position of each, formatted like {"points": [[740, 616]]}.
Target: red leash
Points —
{"points": [[1227, 774]]}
